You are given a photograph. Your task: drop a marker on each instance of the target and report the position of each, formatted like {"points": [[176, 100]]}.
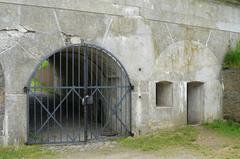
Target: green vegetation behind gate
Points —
{"points": [[232, 58]]}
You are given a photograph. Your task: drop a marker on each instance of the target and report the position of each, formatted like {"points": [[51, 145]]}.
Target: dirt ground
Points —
{"points": [[209, 145]]}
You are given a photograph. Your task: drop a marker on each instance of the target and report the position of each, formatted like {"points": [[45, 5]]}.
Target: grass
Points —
{"points": [[226, 128], [232, 58], [20, 152], [181, 137]]}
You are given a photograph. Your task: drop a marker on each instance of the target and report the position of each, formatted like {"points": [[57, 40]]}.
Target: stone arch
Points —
{"points": [[71, 89], [188, 60], [2, 98]]}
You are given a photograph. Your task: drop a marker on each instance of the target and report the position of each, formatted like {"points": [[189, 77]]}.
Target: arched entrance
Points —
{"points": [[79, 93]]}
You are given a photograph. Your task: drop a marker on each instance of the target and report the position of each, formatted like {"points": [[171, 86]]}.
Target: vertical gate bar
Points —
{"points": [[60, 98], [91, 80], [85, 91], [107, 90], [130, 108], [47, 118], [47, 98], [79, 84], [121, 94], [96, 99], [116, 102], [41, 119], [54, 95], [35, 113], [66, 93], [28, 114], [125, 106], [101, 90], [110, 100], [73, 93]]}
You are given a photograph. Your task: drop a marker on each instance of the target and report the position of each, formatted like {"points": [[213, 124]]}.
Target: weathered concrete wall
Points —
{"points": [[231, 100], [1, 99], [175, 41]]}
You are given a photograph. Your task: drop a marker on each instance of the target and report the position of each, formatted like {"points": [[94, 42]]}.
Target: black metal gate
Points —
{"points": [[79, 93]]}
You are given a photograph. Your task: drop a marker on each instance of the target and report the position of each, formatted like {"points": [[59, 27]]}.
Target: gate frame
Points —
{"points": [[82, 44]]}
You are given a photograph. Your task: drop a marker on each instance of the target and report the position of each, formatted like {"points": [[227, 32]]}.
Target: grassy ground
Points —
{"points": [[181, 137], [217, 140], [226, 128], [220, 139], [24, 152]]}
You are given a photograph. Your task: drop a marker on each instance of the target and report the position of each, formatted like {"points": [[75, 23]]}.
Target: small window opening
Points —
{"points": [[164, 91]]}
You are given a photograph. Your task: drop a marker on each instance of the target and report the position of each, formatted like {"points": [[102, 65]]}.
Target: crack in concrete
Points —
{"points": [[7, 49], [59, 27], [209, 36], [107, 30], [19, 28]]}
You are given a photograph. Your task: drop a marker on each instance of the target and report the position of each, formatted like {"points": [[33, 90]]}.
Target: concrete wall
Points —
{"points": [[156, 40], [2, 95]]}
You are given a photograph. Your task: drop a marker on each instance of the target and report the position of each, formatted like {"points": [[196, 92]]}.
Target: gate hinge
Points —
{"points": [[131, 134], [25, 89]]}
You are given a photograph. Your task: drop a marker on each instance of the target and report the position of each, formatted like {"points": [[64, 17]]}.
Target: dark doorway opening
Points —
{"points": [[195, 102], [79, 93]]}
